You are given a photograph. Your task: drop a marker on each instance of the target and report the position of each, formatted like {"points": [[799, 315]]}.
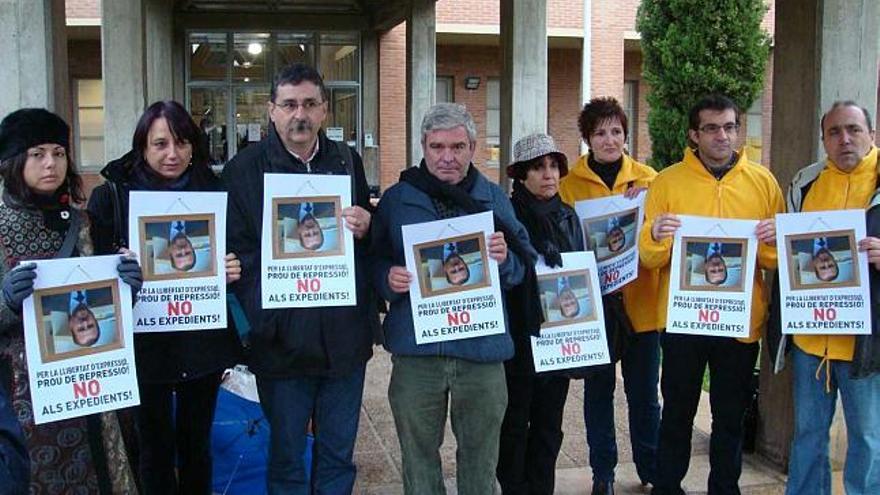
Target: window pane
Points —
{"points": [[251, 120], [630, 109], [293, 48], [444, 89], [249, 56], [339, 62], [342, 119], [208, 54], [493, 120], [90, 122], [208, 108]]}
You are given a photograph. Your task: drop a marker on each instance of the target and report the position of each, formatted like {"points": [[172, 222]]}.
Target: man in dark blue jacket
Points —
{"points": [[466, 374], [309, 362]]}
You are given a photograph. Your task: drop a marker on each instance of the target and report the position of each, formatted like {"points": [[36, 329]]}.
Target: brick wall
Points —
{"points": [[564, 85], [560, 13], [392, 105]]}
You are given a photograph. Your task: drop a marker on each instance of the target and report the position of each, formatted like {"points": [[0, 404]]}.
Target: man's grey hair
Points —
{"points": [[445, 116]]}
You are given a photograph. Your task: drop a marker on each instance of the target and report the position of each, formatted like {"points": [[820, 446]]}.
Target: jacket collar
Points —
{"points": [[869, 161], [281, 160], [693, 162], [627, 173]]}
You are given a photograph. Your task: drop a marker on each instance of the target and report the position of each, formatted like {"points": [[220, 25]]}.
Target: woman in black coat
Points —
{"points": [[531, 434], [179, 373]]}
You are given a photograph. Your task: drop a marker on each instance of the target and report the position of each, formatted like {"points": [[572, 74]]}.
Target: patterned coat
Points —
{"points": [[83, 455]]}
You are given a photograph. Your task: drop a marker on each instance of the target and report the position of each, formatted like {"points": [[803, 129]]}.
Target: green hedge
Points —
{"points": [[691, 48]]}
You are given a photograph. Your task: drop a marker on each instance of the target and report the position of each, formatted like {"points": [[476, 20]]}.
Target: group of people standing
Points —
{"points": [[310, 363]]}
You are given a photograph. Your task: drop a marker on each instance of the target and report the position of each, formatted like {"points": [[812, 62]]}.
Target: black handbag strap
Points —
{"points": [[118, 217], [72, 235]]}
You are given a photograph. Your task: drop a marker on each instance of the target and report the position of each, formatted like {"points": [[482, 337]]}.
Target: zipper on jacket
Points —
{"points": [[309, 167]]}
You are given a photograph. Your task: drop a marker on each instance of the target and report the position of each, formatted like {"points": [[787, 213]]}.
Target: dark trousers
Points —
{"points": [[641, 365], [335, 404], [174, 426], [730, 372], [531, 434]]}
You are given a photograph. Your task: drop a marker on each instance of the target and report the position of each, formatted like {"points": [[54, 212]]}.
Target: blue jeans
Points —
{"points": [[422, 390], [640, 365], [809, 468], [335, 404]]}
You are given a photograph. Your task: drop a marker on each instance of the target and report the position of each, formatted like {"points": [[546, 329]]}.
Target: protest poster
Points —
{"points": [[611, 227], [823, 278], [180, 240], [456, 291], [78, 339], [573, 333], [307, 252], [710, 281]]}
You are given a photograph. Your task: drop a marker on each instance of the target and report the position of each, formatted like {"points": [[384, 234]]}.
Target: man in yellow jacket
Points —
{"points": [[823, 364], [606, 170], [713, 180]]}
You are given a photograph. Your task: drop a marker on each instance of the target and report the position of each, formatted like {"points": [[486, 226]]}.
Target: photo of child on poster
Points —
{"points": [[177, 246], [77, 321], [566, 298], [712, 264], [452, 265], [822, 261], [307, 227], [611, 235]]}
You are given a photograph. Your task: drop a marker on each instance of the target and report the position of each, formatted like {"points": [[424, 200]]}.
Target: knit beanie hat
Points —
{"points": [[28, 127]]}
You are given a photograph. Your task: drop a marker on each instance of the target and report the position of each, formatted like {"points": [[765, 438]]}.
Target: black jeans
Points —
{"points": [[730, 372], [531, 434], [176, 432]]}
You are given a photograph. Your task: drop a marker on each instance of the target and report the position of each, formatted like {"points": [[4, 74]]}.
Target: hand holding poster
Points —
{"points": [[78, 339], [710, 281], [611, 228], [180, 238], [308, 253], [823, 278], [456, 291], [573, 333]]}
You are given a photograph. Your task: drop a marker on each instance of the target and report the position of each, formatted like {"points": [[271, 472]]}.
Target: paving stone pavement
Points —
{"points": [[377, 452]]}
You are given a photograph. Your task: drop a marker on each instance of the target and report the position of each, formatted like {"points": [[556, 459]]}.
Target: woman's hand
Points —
{"points": [[233, 268], [633, 192], [18, 284], [871, 245], [399, 279], [498, 247]]}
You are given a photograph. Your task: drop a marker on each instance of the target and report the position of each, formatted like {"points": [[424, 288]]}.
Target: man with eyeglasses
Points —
{"points": [[827, 365], [309, 362], [713, 180]]}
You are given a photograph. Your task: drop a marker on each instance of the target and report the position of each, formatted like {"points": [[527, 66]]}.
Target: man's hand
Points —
{"points": [[233, 268], [357, 220], [633, 192], [498, 247], [399, 279], [766, 231], [871, 245], [664, 226]]}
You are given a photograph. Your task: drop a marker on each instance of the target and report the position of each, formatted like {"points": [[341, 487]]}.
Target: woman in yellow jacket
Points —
{"points": [[606, 170]]}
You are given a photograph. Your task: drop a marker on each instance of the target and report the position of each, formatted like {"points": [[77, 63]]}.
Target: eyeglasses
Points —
{"points": [[291, 106], [729, 128]]}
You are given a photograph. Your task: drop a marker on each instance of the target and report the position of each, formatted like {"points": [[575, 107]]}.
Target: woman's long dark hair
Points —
{"points": [[12, 173], [182, 127]]}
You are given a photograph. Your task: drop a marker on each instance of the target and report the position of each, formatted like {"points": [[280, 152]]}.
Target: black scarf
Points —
{"points": [[145, 179], [719, 173], [606, 171], [457, 197], [541, 219]]}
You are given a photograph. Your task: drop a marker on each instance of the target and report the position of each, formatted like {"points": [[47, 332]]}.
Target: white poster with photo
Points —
{"points": [[823, 277], [710, 281], [611, 227], [78, 339], [573, 333], [308, 253], [180, 240], [456, 291]]}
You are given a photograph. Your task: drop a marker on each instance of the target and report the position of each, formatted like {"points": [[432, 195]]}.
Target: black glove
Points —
{"points": [[130, 273], [552, 256], [18, 284]]}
